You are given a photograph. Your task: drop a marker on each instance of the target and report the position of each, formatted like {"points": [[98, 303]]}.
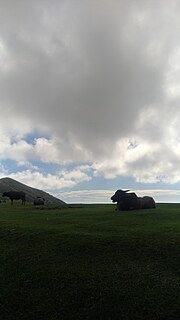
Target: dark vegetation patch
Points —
{"points": [[89, 263]]}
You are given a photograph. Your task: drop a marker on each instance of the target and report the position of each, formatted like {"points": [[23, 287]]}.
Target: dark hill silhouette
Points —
{"points": [[8, 184]]}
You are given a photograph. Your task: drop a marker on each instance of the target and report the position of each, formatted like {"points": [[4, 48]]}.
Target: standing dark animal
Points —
{"points": [[130, 201], [15, 195], [125, 201]]}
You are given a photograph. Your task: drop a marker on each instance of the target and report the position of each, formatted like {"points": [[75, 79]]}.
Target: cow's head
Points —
{"points": [[5, 194], [119, 195]]}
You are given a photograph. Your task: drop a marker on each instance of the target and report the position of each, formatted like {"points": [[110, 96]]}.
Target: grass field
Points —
{"points": [[89, 263]]}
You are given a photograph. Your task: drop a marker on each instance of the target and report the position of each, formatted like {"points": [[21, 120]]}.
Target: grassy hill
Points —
{"points": [[7, 184], [89, 263]]}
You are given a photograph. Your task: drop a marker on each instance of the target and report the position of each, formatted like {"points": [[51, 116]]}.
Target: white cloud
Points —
{"points": [[86, 196], [57, 150], [100, 79], [61, 180]]}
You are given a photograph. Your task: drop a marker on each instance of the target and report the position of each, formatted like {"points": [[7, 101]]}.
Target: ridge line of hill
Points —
{"points": [[8, 184]]}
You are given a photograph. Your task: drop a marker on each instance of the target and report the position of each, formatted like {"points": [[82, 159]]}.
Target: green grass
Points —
{"points": [[89, 263]]}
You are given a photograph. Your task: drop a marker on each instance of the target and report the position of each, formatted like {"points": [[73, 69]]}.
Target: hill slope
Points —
{"points": [[7, 184]]}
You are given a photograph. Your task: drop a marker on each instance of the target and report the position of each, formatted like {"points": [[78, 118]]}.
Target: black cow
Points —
{"points": [[125, 201], [39, 201], [15, 195], [130, 201]]}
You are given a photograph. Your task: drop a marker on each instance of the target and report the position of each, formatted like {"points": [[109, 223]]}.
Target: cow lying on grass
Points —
{"points": [[39, 201], [130, 201]]}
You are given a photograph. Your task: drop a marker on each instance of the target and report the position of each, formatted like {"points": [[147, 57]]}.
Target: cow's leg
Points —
{"points": [[119, 206]]}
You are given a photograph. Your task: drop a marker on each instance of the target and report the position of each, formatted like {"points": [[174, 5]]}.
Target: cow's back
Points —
{"points": [[129, 202]]}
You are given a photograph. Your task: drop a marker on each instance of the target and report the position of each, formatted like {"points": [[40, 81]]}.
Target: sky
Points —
{"points": [[90, 97]]}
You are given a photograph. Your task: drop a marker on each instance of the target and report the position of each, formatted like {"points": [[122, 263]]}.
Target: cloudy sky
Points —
{"points": [[90, 97]]}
